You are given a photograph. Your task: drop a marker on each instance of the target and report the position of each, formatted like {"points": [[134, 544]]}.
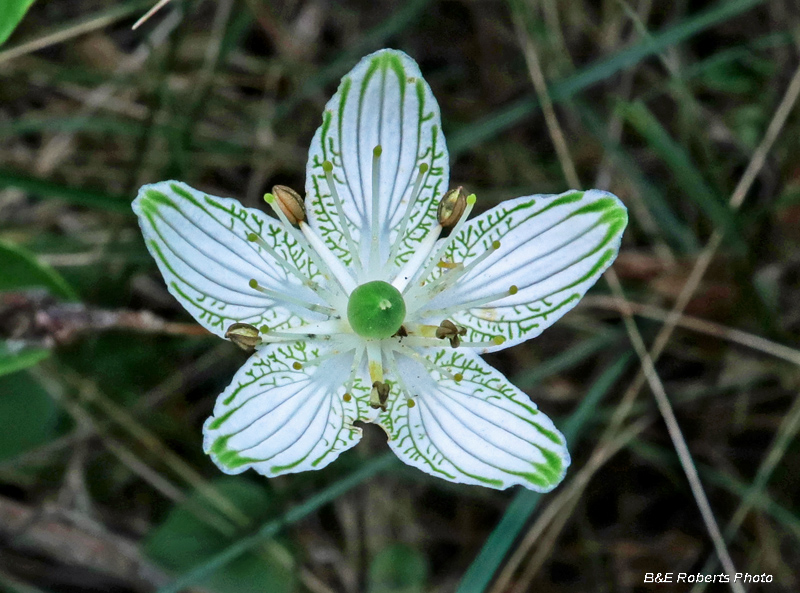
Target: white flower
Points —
{"points": [[364, 312]]}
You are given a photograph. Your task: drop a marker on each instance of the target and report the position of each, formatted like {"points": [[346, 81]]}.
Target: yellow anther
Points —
{"points": [[498, 340], [243, 335], [297, 366], [513, 289], [290, 203], [347, 397], [253, 283], [327, 166], [448, 330], [378, 395], [411, 403], [495, 245], [451, 207], [377, 151], [458, 377]]}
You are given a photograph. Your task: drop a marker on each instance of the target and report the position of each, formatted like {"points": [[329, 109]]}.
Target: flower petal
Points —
{"points": [[200, 245], [552, 250], [280, 419], [481, 430], [383, 101]]}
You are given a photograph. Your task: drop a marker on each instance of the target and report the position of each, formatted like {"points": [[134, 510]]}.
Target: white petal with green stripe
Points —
{"points": [[552, 250], [383, 101], [200, 243], [481, 430], [283, 413]]}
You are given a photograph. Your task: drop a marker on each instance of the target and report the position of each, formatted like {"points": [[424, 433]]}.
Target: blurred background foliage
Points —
{"points": [[105, 382]]}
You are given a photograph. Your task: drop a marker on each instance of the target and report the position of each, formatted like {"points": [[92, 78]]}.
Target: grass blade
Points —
{"points": [[271, 528], [50, 189], [468, 136]]}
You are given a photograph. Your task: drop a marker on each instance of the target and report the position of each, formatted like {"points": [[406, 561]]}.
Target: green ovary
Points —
{"points": [[376, 310]]}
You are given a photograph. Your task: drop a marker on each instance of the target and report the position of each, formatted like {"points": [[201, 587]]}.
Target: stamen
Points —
{"points": [[378, 395], [296, 365], [392, 363], [512, 290], [289, 267], [322, 330], [357, 358], [374, 361], [334, 264], [243, 335], [299, 237], [416, 329], [495, 341], [412, 266], [423, 342], [327, 167], [446, 243], [318, 360], [374, 253], [406, 351], [447, 279], [401, 229], [448, 330], [277, 296]]}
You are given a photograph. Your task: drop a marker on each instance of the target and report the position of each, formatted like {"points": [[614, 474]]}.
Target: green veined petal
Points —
{"points": [[383, 101], [480, 430], [552, 250], [283, 414]]}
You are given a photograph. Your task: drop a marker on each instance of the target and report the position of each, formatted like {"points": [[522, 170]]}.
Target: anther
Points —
{"points": [[411, 403], [451, 207], [347, 397], [513, 289], [458, 377], [290, 202], [498, 340], [297, 366], [448, 330], [378, 395], [243, 335], [401, 333]]}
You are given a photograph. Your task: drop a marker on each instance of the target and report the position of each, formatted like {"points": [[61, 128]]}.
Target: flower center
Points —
{"points": [[376, 310]]}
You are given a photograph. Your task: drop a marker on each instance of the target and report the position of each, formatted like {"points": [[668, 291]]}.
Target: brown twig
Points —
{"points": [[37, 318], [76, 545]]}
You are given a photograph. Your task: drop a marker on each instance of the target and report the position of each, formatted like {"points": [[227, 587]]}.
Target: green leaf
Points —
{"points": [[11, 362], [29, 416], [398, 569], [183, 540], [12, 12], [21, 269]]}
